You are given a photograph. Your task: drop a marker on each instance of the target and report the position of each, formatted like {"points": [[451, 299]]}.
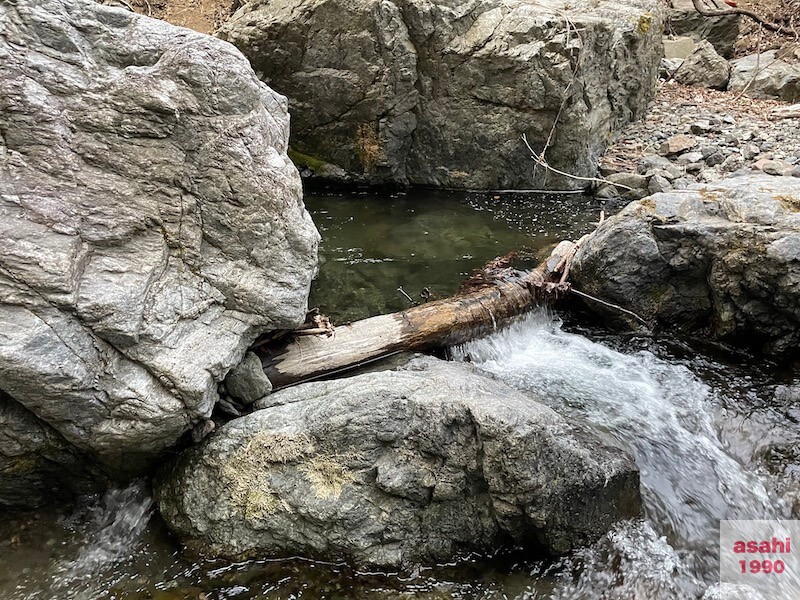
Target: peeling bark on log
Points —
{"points": [[492, 299]]}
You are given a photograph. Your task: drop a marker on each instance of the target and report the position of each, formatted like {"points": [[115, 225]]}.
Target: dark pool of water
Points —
{"points": [[374, 243]]}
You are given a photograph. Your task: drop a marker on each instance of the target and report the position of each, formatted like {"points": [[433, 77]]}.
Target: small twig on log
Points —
{"points": [[402, 291], [609, 305], [539, 160], [313, 331], [698, 6]]}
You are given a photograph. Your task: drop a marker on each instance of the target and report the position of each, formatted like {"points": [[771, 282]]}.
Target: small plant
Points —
{"points": [[368, 145]]}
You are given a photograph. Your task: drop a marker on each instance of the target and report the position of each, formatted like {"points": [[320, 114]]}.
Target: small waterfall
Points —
{"points": [[659, 412], [111, 526]]}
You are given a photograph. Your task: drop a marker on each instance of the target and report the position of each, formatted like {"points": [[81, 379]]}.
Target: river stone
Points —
{"points": [[766, 76], [678, 144], [722, 259], [151, 223], [397, 467], [440, 92], [722, 32], [246, 381], [704, 68]]}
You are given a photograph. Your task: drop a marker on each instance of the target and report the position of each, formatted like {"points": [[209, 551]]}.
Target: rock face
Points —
{"points": [[440, 92], [774, 78], [723, 259], [721, 32], [396, 467], [151, 223], [36, 463]]}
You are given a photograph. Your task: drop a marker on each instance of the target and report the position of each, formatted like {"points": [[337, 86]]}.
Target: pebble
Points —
{"points": [[698, 144], [690, 157]]}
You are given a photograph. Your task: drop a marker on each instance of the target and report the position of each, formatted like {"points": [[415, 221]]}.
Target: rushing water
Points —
{"points": [[714, 438]]}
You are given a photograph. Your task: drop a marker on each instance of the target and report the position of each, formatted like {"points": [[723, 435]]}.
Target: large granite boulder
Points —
{"points": [[722, 259], [151, 223], [766, 76], [440, 92], [397, 467]]}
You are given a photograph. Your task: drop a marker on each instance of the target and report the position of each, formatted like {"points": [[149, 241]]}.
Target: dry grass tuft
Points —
{"points": [[368, 145], [243, 473]]}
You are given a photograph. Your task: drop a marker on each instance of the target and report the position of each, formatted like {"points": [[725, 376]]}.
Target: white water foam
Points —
{"points": [[660, 413]]}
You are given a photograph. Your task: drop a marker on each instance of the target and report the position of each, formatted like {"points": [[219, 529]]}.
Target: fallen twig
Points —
{"points": [[542, 162], [609, 305]]}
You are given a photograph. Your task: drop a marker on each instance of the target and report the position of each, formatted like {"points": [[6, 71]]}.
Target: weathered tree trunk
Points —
{"points": [[786, 112], [500, 295]]}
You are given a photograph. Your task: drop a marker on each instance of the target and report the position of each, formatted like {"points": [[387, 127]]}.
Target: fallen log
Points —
{"points": [[785, 112], [487, 301]]}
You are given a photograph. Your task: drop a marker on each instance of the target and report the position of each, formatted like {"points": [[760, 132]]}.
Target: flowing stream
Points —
{"points": [[715, 437]]}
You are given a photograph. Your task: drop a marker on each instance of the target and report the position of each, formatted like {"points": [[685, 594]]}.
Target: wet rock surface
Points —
{"points": [[441, 92], [152, 224], [722, 259], [397, 467]]}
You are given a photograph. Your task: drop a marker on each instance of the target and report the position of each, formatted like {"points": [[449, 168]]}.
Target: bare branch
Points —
{"points": [[698, 6]]}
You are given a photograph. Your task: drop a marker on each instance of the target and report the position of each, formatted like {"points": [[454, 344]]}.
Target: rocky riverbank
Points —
{"points": [[693, 135]]}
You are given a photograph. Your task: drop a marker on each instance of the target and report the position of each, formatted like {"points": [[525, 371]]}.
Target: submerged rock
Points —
{"points": [[439, 92], [722, 258], [397, 467], [152, 223]]}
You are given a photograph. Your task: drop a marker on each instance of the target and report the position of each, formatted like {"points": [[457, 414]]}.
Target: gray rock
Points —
{"points": [[682, 183], [707, 151], [658, 184], [247, 382], [751, 151], [789, 394], [766, 76], [397, 467], [715, 159], [152, 224], [36, 464], [721, 32], [732, 163], [668, 67], [438, 92], [652, 162], [700, 127], [690, 158], [723, 259], [774, 167], [704, 68], [631, 180]]}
